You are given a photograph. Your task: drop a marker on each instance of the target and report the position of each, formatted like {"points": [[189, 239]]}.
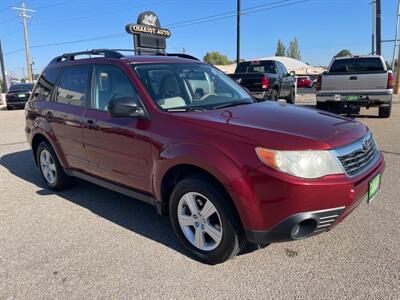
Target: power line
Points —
{"points": [[106, 13], [211, 18]]}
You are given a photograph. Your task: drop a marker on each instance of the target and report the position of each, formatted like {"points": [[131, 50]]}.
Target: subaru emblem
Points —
{"points": [[365, 145]]}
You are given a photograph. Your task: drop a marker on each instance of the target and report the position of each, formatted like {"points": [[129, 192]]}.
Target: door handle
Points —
{"points": [[353, 77], [90, 123]]}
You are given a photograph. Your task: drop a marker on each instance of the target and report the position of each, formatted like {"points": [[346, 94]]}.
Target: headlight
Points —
{"points": [[304, 164]]}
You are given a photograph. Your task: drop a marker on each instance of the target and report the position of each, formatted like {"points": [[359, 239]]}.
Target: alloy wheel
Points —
{"points": [[48, 166], [199, 221]]}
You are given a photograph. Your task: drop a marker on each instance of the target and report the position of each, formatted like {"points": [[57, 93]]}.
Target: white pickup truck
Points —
{"points": [[354, 82]]}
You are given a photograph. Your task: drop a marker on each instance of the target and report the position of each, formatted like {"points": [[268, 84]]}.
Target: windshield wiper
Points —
{"points": [[179, 109], [234, 103]]}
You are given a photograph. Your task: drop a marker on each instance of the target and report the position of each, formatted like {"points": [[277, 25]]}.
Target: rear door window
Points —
{"points": [[72, 87], [45, 85], [357, 65]]}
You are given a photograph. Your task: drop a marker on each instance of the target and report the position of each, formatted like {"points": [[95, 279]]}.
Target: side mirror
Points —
{"points": [[125, 107]]}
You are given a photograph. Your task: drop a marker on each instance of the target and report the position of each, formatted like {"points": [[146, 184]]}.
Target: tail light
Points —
{"points": [[390, 80], [319, 83], [265, 82]]}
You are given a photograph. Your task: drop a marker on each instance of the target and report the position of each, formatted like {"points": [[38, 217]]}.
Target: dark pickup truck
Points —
{"points": [[266, 79]]}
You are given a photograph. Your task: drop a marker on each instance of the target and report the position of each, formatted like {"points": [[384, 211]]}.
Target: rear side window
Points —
{"points": [[357, 65], [72, 87], [45, 85], [256, 66]]}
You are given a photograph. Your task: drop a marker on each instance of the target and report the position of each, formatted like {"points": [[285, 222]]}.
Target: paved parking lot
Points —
{"points": [[88, 242]]}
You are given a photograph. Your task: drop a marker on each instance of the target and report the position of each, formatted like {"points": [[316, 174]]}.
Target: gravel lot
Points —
{"points": [[89, 242]]}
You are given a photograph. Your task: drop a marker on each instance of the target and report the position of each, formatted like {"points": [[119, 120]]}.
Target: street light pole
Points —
{"points": [[238, 33]]}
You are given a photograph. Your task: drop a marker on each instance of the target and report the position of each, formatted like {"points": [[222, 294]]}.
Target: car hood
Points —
{"points": [[281, 126]]}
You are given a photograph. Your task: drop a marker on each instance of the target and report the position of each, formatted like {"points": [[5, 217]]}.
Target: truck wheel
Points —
{"points": [[274, 95], [384, 111], [9, 107], [50, 168], [321, 106], [291, 98], [204, 221]]}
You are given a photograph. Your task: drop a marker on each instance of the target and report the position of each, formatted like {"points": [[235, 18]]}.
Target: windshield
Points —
{"points": [[21, 87], [187, 86]]}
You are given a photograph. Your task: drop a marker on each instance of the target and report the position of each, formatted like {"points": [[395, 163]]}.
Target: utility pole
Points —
{"points": [[27, 52], [238, 33], [3, 70], [378, 27], [395, 36], [373, 28]]}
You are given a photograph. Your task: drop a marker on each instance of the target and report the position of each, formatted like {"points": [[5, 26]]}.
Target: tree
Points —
{"points": [[343, 52], [280, 49], [216, 58], [293, 51]]}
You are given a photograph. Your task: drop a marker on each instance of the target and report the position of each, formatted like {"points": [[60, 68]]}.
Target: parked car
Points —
{"points": [[18, 94], [354, 82], [304, 82], [179, 134], [266, 79]]}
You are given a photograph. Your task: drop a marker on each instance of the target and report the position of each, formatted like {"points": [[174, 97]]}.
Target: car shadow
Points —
{"points": [[132, 214]]}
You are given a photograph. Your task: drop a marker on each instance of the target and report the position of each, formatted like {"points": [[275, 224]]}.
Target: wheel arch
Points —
{"points": [[42, 137]]}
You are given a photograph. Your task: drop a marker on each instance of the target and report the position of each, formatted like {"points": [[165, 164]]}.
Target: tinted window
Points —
{"points": [[111, 83], [73, 85], [266, 66], [21, 87], [45, 85], [356, 65]]}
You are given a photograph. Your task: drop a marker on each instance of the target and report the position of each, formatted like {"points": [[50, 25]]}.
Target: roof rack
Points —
{"points": [[108, 53], [115, 53]]}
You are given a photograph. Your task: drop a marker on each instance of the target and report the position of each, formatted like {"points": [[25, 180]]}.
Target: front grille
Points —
{"points": [[360, 155]]}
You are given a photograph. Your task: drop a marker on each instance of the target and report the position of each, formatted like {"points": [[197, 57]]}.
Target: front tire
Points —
{"points": [[204, 221], [50, 168]]}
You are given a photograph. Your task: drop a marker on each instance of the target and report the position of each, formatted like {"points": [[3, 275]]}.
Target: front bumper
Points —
{"points": [[280, 202]]}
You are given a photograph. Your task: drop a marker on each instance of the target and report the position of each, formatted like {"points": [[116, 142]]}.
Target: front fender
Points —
{"points": [[210, 159]]}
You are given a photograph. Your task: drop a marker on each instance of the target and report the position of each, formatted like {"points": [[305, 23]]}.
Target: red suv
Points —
{"points": [[179, 134]]}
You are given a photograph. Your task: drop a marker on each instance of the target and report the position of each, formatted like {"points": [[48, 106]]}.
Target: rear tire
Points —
{"points": [[292, 97], [274, 95], [50, 168], [385, 111], [9, 107], [191, 222], [321, 106]]}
